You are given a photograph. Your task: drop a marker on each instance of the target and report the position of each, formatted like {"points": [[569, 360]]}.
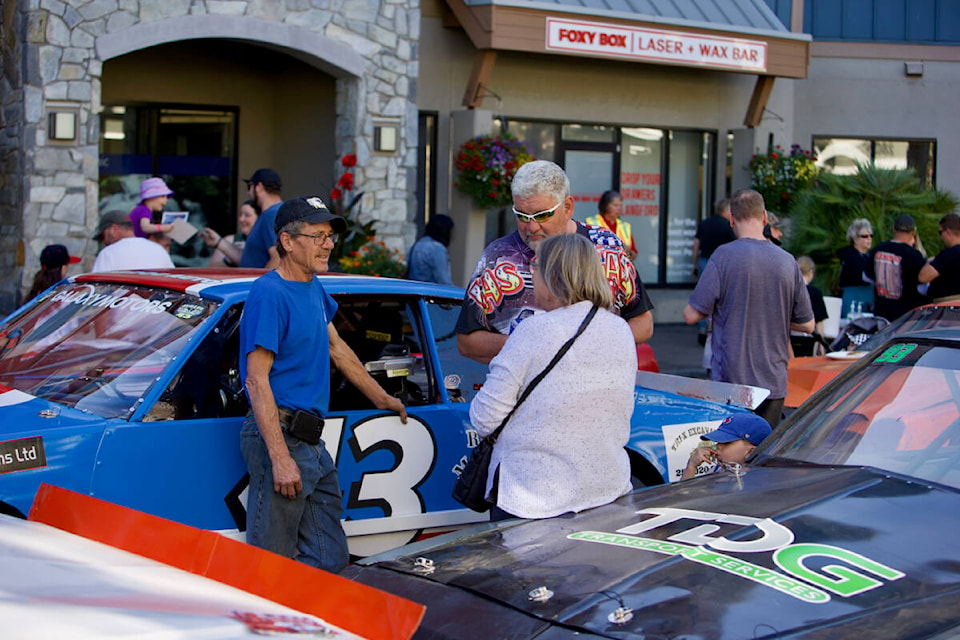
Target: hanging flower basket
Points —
{"points": [[780, 177], [486, 165]]}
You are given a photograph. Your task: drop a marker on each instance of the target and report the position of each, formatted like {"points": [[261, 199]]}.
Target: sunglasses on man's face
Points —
{"points": [[540, 216]]}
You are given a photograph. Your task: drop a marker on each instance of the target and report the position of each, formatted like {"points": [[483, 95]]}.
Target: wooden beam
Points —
{"points": [[483, 63], [758, 101]]}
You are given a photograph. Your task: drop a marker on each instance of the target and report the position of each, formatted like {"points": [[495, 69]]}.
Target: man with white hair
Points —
{"points": [[500, 293]]}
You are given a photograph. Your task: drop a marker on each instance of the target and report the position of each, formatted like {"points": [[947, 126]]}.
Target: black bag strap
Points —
{"points": [[492, 438]]}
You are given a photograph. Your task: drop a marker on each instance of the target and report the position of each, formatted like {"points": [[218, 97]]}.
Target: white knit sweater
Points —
{"points": [[563, 449]]}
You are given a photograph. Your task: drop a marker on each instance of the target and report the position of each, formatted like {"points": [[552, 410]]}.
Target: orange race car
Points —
{"points": [[806, 375]]}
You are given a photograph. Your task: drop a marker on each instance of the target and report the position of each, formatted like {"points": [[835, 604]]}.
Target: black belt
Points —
{"points": [[286, 417], [301, 425]]}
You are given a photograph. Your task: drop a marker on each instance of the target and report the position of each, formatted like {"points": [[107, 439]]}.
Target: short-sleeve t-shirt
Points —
{"points": [[256, 253], [947, 264], [894, 268], [290, 320], [138, 213], [753, 290], [713, 232], [500, 292]]}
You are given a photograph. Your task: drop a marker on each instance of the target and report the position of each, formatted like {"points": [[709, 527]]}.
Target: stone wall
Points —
{"points": [[51, 60], [11, 160]]}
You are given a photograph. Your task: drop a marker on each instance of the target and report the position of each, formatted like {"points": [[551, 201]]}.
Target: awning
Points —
{"points": [[740, 36]]}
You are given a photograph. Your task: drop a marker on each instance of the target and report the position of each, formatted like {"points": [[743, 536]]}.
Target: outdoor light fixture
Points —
{"points": [[385, 138], [63, 126], [913, 68]]}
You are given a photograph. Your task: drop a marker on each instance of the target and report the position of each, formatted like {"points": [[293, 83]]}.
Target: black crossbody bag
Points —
{"points": [[470, 488]]}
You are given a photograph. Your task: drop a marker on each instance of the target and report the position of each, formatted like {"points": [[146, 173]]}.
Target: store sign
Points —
{"points": [[650, 44]]}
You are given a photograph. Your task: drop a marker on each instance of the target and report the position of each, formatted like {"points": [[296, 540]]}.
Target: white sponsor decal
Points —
{"points": [[651, 44], [680, 440], [87, 296], [12, 397]]}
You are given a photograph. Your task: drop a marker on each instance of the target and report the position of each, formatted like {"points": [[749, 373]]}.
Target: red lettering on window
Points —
{"points": [[651, 178]]}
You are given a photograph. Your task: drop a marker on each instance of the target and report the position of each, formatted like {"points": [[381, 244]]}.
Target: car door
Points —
{"points": [[397, 478]]}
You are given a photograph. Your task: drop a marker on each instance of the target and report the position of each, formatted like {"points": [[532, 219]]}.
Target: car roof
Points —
{"points": [[950, 334], [221, 283]]}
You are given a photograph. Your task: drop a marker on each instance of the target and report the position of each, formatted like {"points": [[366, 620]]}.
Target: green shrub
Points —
{"points": [[822, 213]]}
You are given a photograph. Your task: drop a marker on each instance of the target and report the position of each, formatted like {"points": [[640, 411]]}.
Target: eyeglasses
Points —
{"points": [[865, 235], [320, 238], [540, 216]]}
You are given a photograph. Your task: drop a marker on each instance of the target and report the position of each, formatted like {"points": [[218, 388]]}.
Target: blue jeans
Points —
{"points": [[307, 528]]}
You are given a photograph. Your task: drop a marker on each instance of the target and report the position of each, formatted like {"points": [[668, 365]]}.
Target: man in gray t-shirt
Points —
{"points": [[755, 293]]}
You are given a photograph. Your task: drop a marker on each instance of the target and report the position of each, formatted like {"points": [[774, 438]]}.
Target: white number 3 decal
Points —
{"points": [[414, 451]]}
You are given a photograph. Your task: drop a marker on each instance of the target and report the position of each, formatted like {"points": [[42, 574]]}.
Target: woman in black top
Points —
{"points": [[855, 285]]}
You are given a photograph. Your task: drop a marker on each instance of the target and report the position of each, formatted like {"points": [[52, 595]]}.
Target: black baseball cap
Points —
{"points": [[55, 256], [310, 210], [904, 222], [267, 177]]}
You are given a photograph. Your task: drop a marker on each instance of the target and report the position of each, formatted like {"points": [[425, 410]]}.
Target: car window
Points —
{"points": [[901, 413], [208, 384], [386, 335], [98, 347], [461, 376], [916, 320]]}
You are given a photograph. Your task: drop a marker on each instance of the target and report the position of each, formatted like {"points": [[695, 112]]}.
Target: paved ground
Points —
{"points": [[678, 351]]}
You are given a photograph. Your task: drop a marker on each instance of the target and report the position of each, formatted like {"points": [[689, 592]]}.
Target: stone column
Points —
{"points": [[469, 236]]}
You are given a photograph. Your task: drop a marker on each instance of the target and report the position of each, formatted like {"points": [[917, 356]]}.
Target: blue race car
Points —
{"points": [[126, 386]]}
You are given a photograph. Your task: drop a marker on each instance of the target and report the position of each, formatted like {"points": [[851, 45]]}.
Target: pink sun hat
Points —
{"points": [[154, 188]]}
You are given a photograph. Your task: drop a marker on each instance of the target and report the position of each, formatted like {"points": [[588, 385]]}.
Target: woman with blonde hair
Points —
{"points": [[562, 448]]}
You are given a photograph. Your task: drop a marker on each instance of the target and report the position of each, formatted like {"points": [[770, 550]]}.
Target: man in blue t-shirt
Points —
{"points": [[287, 339], [260, 251]]}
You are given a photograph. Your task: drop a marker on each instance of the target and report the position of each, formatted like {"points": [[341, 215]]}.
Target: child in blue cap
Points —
{"points": [[735, 439]]}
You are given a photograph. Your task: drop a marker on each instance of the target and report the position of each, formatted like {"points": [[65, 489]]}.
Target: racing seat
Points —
{"points": [[379, 343]]}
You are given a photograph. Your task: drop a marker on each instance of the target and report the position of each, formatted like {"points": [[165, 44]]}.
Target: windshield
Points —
{"points": [[916, 320], [900, 413], [97, 347]]}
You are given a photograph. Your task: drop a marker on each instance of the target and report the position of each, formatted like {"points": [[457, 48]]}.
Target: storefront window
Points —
{"points": [[590, 173], [842, 155], [589, 133], [641, 165], [689, 153], [662, 176], [192, 149]]}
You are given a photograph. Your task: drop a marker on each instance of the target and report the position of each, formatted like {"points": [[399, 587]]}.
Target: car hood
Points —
{"points": [[774, 552], [24, 414]]}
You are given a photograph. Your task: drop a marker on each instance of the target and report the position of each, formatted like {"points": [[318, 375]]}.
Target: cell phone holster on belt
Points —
{"points": [[306, 426]]}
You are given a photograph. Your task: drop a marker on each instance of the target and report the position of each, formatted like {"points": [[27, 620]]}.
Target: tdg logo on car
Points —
{"points": [[857, 574]]}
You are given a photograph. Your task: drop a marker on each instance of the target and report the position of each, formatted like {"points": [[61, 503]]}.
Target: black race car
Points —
{"points": [[843, 525]]}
